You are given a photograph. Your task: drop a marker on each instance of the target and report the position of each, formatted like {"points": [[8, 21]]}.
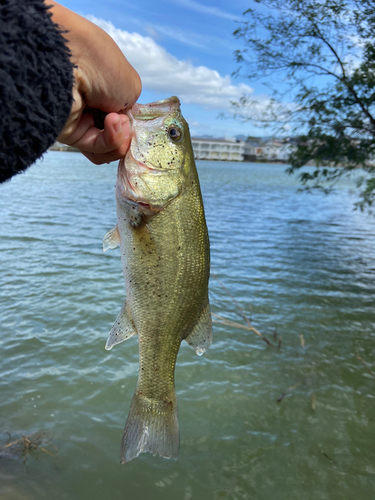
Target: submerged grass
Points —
{"points": [[234, 324], [22, 446]]}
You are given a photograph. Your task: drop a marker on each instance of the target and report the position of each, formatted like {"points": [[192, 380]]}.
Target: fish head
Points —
{"points": [[156, 166]]}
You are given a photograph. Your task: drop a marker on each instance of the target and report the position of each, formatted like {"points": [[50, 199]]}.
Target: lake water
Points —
{"points": [[256, 422]]}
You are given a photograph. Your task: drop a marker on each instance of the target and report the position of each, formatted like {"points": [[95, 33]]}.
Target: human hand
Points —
{"points": [[105, 81]]}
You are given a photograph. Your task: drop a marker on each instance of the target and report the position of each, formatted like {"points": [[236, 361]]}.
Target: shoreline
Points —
{"points": [[70, 149]]}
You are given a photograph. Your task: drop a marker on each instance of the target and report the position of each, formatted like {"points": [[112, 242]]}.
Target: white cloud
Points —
{"points": [[204, 9], [185, 37], [152, 32], [211, 44], [220, 128], [164, 73], [206, 43]]}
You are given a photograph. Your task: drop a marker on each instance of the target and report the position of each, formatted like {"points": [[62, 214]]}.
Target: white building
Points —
{"points": [[271, 150], [285, 151], [218, 149]]}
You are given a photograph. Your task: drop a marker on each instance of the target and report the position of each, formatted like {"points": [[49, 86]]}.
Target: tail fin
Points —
{"points": [[152, 425]]}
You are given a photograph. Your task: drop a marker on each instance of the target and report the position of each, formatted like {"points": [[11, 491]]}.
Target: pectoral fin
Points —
{"points": [[200, 338], [111, 239], [122, 329]]}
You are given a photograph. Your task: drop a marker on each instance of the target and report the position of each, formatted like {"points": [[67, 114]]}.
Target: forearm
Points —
{"points": [[104, 81], [92, 47]]}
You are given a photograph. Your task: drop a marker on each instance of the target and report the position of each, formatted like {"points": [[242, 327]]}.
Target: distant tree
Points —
{"points": [[318, 59]]}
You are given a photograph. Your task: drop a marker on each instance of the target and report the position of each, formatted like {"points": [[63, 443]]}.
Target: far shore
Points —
{"points": [[71, 149]]}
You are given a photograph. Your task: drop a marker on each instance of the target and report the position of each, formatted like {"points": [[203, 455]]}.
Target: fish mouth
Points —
{"points": [[131, 168], [154, 109]]}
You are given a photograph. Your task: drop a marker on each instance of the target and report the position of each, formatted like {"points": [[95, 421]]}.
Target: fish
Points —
{"points": [[165, 258]]}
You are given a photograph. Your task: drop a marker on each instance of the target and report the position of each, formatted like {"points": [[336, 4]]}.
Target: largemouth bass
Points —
{"points": [[165, 257]]}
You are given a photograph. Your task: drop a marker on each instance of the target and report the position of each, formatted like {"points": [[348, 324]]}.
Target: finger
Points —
{"points": [[114, 136], [116, 130], [99, 159]]}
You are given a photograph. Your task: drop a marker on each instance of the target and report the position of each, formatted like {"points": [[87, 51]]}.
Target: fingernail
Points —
{"points": [[117, 125], [125, 129]]}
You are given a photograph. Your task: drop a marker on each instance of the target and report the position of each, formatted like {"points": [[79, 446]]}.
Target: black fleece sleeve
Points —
{"points": [[36, 81]]}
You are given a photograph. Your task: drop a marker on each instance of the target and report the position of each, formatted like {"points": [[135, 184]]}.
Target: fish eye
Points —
{"points": [[174, 133]]}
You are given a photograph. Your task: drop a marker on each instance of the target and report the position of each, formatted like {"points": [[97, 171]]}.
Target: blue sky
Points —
{"points": [[183, 48]]}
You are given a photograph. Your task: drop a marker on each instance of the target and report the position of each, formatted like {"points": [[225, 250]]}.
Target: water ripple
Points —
{"points": [[302, 267]]}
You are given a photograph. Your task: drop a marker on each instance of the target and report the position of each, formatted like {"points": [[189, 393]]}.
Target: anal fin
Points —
{"points": [[122, 329], [200, 338], [111, 239]]}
